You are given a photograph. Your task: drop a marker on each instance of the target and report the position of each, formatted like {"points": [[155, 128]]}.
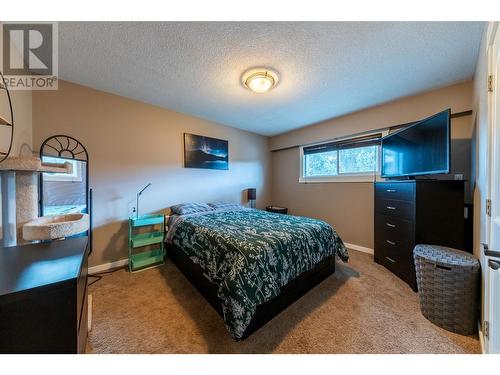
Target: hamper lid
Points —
{"points": [[446, 255]]}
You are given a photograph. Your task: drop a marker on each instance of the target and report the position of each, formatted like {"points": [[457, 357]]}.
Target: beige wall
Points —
{"points": [[348, 207], [458, 97], [132, 143], [22, 108]]}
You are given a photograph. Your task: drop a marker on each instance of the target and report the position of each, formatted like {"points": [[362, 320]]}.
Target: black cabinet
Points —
{"points": [[43, 297], [414, 212]]}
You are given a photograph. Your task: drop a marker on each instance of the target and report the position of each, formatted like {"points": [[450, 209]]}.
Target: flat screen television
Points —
{"points": [[422, 148]]}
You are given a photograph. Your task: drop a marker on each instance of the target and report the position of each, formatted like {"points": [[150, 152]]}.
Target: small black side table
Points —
{"points": [[277, 210]]}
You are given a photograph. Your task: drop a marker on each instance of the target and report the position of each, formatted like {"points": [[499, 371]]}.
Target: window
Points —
{"points": [[355, 159]]}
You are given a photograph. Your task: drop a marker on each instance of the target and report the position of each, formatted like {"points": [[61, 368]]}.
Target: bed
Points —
{"points": [[251, 264]]}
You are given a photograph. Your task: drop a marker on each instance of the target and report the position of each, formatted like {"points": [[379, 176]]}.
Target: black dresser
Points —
{"points": [[43, 297], [414, 212]]}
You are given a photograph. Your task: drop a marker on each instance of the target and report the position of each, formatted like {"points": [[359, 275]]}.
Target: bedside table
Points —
{"points": [[277, 209], [146, 249]]}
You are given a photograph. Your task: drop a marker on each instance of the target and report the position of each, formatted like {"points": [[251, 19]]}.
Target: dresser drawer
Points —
{"points": [[396, 257], [396, 191], [387, 255], [394, 238], [401, 250], [395, 209], [393, 228], [392, 263]]}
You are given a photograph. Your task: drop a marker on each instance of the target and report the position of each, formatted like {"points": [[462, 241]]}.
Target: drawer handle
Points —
{"points": [[391, 190], [390, 207], [390, 242], [390, 225], [391, 260]]}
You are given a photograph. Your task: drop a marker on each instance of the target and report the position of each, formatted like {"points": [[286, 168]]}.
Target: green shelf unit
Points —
{"points": [[146, 248], [146, 259], [147, 220], [145, 239]]}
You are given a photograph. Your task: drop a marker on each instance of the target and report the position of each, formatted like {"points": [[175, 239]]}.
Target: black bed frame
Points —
{"points": [[290, 293]]}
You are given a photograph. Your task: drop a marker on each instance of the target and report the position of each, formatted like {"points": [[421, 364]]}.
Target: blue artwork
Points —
{"points": [[205, 152]]}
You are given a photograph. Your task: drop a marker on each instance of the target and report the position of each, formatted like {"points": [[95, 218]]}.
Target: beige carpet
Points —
{"points": [[362, 308]]}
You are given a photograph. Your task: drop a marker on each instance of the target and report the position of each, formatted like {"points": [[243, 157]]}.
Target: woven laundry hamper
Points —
{"points": [[448, 287]]}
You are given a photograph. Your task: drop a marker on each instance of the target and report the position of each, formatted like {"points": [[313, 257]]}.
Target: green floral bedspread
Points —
{"points": [[250, 254]]}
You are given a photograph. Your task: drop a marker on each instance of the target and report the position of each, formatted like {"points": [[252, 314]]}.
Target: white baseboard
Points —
{"points": [[359, 248], [108, 266]]}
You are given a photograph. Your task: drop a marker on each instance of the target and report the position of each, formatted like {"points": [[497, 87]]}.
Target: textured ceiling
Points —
{"points": [[327, 69]]}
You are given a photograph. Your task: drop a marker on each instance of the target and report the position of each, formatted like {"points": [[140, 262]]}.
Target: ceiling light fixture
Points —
{"points": [[260, 80]]}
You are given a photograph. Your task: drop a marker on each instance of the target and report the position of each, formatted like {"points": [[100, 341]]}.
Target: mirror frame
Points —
{"points": [[68, 148]]}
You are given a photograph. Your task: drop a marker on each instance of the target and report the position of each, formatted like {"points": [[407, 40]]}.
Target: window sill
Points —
{"points": [[49, 178], [367, 178]]}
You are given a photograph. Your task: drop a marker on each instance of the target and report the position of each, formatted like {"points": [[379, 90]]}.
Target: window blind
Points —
{"points": [[362, 141]]}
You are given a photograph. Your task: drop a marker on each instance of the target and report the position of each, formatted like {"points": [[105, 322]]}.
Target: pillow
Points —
{"points": [[190, 208], [225, 206]]}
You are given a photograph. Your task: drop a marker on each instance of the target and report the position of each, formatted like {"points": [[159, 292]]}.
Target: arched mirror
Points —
{"points": [[65, 193], [6, 120]]}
